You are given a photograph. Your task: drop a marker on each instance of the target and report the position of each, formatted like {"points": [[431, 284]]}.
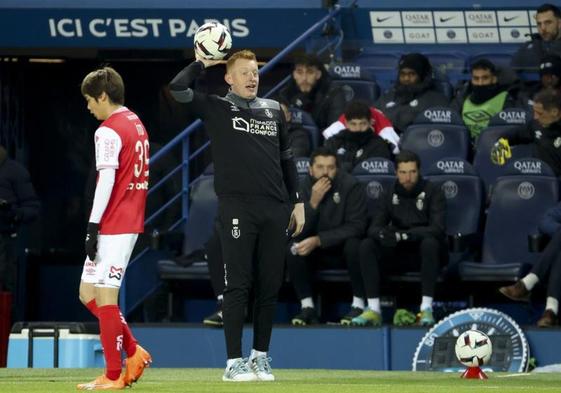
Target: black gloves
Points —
{"points": [[91, 240], [388, 237]]}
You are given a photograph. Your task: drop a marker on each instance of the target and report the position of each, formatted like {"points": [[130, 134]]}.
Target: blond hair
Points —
{"points": [[243, 54]]}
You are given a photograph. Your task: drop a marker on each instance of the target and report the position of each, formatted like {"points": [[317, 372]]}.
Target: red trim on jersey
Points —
{"points": [[378, 121]]}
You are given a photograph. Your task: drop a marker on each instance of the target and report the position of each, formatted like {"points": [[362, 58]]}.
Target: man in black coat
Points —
{"points": [[310, 90], [358, 141], [407, 233], [18, 204], [335, 206]]}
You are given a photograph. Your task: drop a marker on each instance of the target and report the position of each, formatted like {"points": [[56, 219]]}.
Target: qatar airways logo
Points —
{"points": [[254, 126]]}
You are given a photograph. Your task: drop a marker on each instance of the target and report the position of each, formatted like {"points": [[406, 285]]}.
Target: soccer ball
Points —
{"points": [[473, 348], [212, 41]]}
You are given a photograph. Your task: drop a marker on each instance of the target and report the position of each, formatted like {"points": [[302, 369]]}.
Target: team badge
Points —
{"points": [[268, 113], [390, 104], [234, 108], [414, 103], [359, 153], [557, 142], [236, 232], [395, 199], [336, 197], [421, 201], [341, 151], [538, 134]]}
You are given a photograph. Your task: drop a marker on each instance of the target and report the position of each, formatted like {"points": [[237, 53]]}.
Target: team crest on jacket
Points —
{"points": [[395, 199], [421, 200], [236, 232], [359, 153], [336, 198], [269, 113], [557, 142]]}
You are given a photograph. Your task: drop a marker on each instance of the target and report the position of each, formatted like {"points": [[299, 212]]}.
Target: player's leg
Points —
{"points": [[370, 255], [352, 260], [431, 250], [269, 276], [550, 316], [213, 250], [238, 234], [300, 274]]}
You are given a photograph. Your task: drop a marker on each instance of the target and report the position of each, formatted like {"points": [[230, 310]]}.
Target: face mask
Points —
{"points": [[481, 94]]}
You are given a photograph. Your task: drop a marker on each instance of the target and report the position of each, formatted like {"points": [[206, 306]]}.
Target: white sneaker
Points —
{"points": [[239, 371], [262, 368]]}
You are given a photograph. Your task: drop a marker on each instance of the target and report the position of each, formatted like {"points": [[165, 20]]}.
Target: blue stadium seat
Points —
{"points": [[365, 90], [437, 133], [202, 212], [519, 199], [302, 165], [381, 66], [444, 87], [451, 65], [377, 175], [503, 124], [304, 119]]}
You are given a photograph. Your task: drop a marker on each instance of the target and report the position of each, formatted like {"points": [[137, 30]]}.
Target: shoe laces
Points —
{"points": [[261, 364], [239, 367]]}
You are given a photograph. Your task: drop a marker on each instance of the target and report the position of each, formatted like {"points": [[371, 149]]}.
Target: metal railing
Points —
{"points": [[183, 139]]}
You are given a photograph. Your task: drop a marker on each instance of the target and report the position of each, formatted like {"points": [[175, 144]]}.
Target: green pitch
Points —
{"points": [[288, 381]]}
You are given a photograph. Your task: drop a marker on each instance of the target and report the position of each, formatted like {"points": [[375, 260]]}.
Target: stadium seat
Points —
{"points": [[451, 65], [435, 134], [464, 201], [504, 124], [302, 165], [444, 86], [519, 199], [304, 119], [381, 66], [377, 175], [365, 90]]}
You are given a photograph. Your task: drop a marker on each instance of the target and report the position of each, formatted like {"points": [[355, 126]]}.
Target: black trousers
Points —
{"points": [[425, 255], [253, 236], [213, 250], [8, 263], [549, 264], [301, 268]]}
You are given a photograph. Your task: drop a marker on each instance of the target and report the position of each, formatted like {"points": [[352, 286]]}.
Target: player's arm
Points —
{"points": [[107, 148]]}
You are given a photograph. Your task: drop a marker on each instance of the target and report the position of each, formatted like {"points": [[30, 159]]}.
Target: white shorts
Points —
{"points": [[111, 260]]}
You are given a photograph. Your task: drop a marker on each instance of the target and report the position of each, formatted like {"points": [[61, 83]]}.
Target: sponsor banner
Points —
{"points": [[385, 19], [387, 36], [513, 18], [419, 36], [451, 36], [417, 18], [483, 35], [449, 18], [480, 18], [514, 34]]}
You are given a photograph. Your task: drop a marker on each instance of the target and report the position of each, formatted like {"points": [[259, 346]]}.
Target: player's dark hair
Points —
{"points": [[357, 109], [104, 80], [549, 98], [549, 7], [308, 60], [484, 64], [323, 152], [407, 156]]}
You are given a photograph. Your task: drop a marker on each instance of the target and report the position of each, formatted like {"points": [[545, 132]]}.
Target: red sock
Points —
{"points": [[129, 342], [92, 306], [111, 332]]}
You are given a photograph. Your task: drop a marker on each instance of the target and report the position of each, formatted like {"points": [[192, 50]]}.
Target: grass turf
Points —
{"points": [[323, 381]]}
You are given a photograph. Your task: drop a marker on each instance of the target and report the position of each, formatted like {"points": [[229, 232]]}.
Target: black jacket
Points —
{"points": [[546, 143], [325, 103], [419, 213], [529, 55], [402, 104], [18, 201], [353, 147], [341, 215]]}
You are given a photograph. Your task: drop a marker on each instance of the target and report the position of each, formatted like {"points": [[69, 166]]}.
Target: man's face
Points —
{"points": [[407, 174], [243, 78], [408, 76], [358, 125], [548, 25], [323, 166], [482, 77], [98, 108], [550, 80], [306, 77], [546, 117]]}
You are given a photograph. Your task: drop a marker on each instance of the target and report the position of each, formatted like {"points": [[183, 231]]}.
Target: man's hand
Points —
{"points": [[297, 219], [207, 62], [306, 246], [319, 189], [91, 240], [388, 237]]}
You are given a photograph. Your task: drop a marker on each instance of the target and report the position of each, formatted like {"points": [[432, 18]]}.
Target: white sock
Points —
{"points": [[255, 353], [426, 303], [530, 281], [220, 298], [307, 302], [229, 362], [374, 304], [358, 302], [552, 304]]}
